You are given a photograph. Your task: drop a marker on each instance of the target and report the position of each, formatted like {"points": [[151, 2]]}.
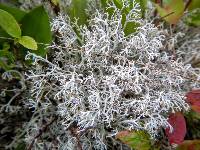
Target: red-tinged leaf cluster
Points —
{"points": [[138, 140], [122, 134], [193, 98], [177, 121]]}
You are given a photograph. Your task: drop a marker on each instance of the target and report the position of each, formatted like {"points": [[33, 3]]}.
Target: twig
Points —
{"points": [[187, 5], [157, 2], [55, 7], [167, 15], [73, 129], [74, 133], [41, 131], [157, 21]]}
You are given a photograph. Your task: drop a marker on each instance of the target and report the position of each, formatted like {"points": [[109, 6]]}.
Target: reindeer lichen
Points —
{"points": [[101, 82]]}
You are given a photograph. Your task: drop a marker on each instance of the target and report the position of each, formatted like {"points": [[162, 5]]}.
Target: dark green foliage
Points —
{"points": [[36, 24], [18, 14], [11, 34]]}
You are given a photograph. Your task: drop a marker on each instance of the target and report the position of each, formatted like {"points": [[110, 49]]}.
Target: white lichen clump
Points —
{"points": [[110, 83]]}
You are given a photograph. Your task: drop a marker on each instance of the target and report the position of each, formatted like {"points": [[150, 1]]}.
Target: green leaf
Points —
{"points": [[28, 42], [194, 4], [77, 10], [36, 25], [143, 5], [9, 24], [17, 13], [138, 140], [194, 18], [118, 3], [8, 55], [171, 11], [6, 46], [5, 66], [130, 28], [104, 4], [7, 58], [55, 2]]}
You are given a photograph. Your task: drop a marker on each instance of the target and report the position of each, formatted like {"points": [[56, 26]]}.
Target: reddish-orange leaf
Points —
{"points": [[122, 134], [193, 98], [177, 121], [138, 140], [196, 108]]}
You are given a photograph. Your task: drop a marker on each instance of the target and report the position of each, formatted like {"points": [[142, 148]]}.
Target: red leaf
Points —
{"points": [[193, 98], [196, 108], [177, 121]]}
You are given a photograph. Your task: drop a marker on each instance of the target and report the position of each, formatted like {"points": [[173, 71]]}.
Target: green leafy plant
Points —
{"points": [[23, 28], [28, 42], [17, 13], [10, 25], [38, 28]]}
